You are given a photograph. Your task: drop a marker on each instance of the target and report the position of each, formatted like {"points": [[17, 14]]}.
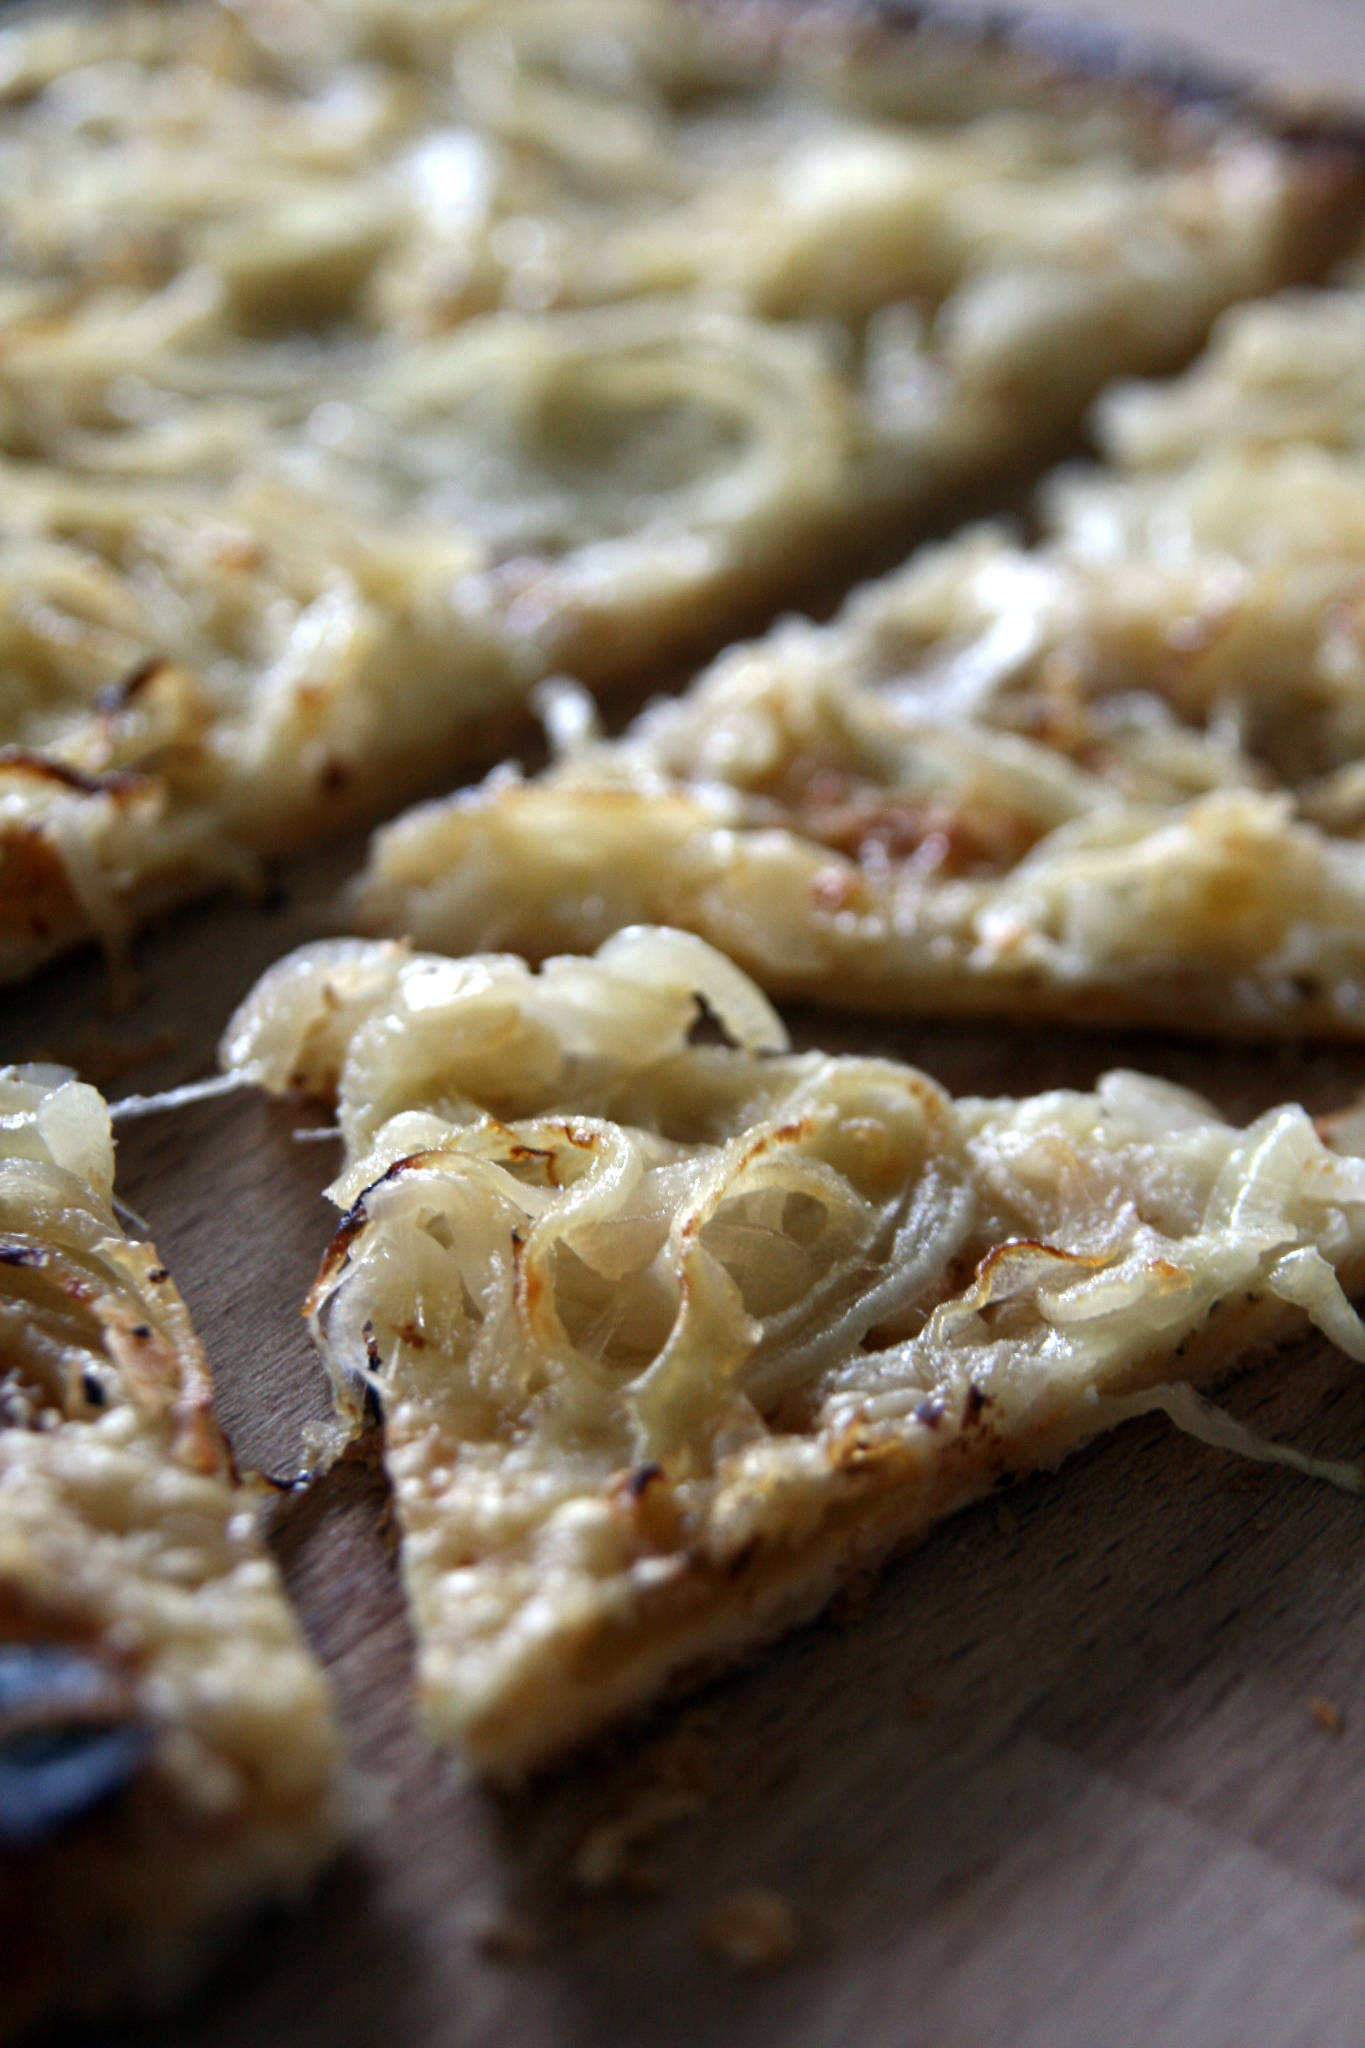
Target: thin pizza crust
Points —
{"points": [[168, 1755], [672, 1334], [1113, 776], [361, 365]]}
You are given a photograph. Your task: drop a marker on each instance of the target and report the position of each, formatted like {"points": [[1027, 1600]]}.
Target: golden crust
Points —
{"points": [[884, 1499]]}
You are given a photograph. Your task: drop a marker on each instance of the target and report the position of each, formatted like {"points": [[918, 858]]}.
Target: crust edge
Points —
{"points": [[715, 1619]]}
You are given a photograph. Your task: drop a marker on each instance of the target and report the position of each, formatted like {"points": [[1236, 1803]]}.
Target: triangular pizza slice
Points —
{"points": [[168, 1754], [1114, 776], [672, 1328]]}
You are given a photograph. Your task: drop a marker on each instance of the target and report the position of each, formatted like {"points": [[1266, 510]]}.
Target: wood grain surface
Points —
{"points": [[1087, 1768]]}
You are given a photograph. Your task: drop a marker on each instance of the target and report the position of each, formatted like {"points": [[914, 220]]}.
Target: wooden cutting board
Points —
{"points": [[1087, 1767]]}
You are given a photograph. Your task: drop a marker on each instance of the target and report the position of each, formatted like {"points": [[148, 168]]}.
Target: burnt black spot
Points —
{"points": [[930, 1413], [120, 694], [371, 1407], [973, 1405], [293, 1482], [640, 1478], [92, 1386]]}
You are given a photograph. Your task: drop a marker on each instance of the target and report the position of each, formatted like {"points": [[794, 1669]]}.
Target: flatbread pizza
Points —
{"points": [[672, 1331], [1111, 777], [361, 366], [169, 1759]]}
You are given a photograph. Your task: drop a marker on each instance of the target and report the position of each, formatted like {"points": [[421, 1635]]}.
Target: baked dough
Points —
{"points": [[361, 365], [673, 1332], [1115, 776], [168, 1756]]}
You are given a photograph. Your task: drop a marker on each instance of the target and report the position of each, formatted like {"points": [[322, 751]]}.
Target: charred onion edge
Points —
{"points": [[116, 783]]}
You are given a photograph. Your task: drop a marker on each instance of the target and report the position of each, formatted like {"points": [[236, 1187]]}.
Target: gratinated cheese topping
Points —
{"points": [[669, 1335], [168, 1756], [1116, 775], [360, 366]]}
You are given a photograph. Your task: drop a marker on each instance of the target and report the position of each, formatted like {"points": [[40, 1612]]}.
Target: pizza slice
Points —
{"points": [[1114, 776], [672, 1330], [359, 373], [168, 1755]]}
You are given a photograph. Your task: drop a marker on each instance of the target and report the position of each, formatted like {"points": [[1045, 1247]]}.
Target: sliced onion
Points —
{"points": [[661, 957], [1190, 1412], [1305, 1278], [293, 1029]]}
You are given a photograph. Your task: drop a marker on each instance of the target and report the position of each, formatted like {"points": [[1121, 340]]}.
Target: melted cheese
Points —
{"points": [[1116, 775], [360, 366], [668, 1335]]}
